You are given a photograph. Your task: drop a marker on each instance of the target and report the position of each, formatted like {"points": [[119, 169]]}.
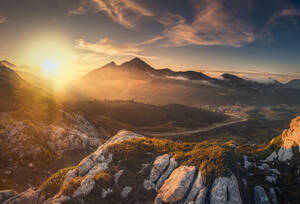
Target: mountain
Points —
{"points": [[37, 135], [12, 88], [132, 168], [138, 68], [294, 84], [137, 80]]}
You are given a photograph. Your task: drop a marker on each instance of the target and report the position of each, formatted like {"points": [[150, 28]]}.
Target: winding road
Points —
{"points": [[199, 130]]}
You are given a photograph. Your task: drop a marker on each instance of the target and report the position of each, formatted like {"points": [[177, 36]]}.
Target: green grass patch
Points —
{"points": [[70, 187], [214, 159], [53, 184], [273, 145], [103, 180]]}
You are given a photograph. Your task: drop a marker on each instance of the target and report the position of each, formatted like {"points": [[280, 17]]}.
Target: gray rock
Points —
{"points": [[84, 166], [273, 196], [196, 188], [148, 185], [101, 166], [260, 196], [201, 196], [173, 164], [285, 154], [126, 190], [176, 186], [70, 175], [159, 166], [30, 196], [85, 187], [264, 166], [271, 179], [105, 192], [272, 157], [117, 176], [6, 194], [225, 190]]}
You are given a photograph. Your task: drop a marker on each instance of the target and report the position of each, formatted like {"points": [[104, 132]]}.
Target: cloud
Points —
{"points": [[213, 24], [3, 19], [124, 12], [290, 12], [106, 46]]}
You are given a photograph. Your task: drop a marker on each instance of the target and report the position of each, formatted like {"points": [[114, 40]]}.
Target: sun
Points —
{"points": [[50, 67]]}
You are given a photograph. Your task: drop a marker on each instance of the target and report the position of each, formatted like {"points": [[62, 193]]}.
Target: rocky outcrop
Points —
{"points": [[160, 178], [4, 195], [272, 157], [31, 196], [90, 166], [225, 190], [36, 147], [290, 139], [176, 186], [260, 196]]}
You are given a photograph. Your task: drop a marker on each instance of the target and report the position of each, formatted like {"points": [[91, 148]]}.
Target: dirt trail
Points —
{"points": [[199, 130]]}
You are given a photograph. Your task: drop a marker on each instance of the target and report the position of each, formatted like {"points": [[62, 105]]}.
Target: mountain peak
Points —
{"points": [[7, 64], [137, 64], [136, 59], [111, 64]]}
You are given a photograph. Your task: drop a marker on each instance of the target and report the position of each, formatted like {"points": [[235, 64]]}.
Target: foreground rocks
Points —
{"points": [[162, 178], [31, 148]]}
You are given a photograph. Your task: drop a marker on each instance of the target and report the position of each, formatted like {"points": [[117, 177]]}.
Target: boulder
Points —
{"points": [[84, 166], [225, 190], [260, 196], [271, 179], [105, 192], [201, 196], [86, 186], [176, 186], [273, 196], [126, 190], [70, 175], [159, 166], [196, 188], [285, 154], [272, 157], [173, 164], [117, 176], [30, 196], [6, 194]]}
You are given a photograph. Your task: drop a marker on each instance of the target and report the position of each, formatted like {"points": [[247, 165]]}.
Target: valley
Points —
{"points": [[42, 133]]}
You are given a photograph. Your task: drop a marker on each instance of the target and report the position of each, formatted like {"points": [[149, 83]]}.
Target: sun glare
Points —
{"points": [[50, 67]]}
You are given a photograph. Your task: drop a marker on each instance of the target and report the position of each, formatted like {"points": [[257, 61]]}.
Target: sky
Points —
{"points": [[80, 35]]}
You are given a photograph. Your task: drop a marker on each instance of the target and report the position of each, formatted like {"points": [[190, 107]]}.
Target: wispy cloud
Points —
{"points": [[213, 24], [124, 12], [289, 12], [106, 46], [3, 19]]}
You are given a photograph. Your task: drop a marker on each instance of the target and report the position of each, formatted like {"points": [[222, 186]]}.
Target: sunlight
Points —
{"points": [[50, 67]]}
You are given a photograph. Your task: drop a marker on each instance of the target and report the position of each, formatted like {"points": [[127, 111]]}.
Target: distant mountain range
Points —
{"points": [[135, 79]]}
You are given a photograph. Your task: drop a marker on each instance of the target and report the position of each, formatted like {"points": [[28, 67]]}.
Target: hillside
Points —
{"points": [[37, 136], [131, 168], [144, 117]]}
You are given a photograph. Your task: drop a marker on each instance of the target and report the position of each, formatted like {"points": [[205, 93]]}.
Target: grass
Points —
{"points": [[273, 145], [103, 179], [52, 185], [213, 159], [70, 187]]}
